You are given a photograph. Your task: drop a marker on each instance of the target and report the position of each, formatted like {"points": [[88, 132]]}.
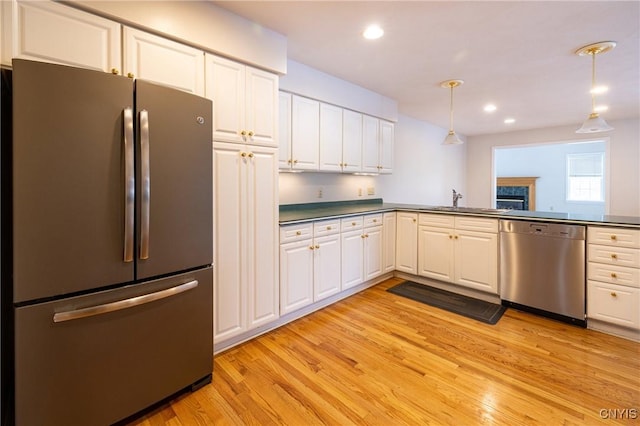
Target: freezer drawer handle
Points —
{"points": [[129, 184], [123, 304], [146, 184]]}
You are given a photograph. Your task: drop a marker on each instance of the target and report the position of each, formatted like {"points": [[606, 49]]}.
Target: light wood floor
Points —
{"points": [[380, 359]]}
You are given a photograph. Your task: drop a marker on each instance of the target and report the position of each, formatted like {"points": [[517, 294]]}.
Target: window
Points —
{"points": [[585, 177]]}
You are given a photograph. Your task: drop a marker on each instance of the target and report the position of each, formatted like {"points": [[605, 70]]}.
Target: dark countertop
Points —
{"points": [[300, 213]]}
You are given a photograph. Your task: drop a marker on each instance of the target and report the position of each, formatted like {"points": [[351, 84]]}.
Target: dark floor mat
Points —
{"points": [[476, 309]]}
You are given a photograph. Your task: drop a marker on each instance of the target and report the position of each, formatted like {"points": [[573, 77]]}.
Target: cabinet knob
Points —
{"points": [[243, 154], [614, 275], [298, 232], [243, 133], [295, 161], [375, 220], [250, 133], [250, 155], [345, 164], [115, 71], [289, 161], [328, 228], [362, 236], [415, 220], [613, 294], [130, 75], [317, 246], [353, 224], [366, 235], [614, 237], [614, 256], [451, 237], [310, 247], [456, 237]]}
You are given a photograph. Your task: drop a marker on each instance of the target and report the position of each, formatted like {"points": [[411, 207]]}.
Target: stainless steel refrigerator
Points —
{"points": [[106, 244]]}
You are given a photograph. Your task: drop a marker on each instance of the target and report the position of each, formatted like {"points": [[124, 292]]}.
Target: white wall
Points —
{"points": [[624, 159], [424, 170]]}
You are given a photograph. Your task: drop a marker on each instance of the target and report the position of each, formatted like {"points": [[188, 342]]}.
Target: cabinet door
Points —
{"points": [[163, 61], [284, 131], [296, 275], [352, 258], [372, 252], [225, 86], [229, 217], [330, 138], [370, 144], [476, 260], [326, 271], [305, 133], [352, 141], [261, 107], [435, 253], [51, 32], [386, 146], [407, 242], [389, 242], [262, 235]]}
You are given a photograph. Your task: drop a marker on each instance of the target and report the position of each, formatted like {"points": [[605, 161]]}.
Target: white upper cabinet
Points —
{"points": [[386, 146], [370, 144], [351, 141], [163, 61], [51, 32], [330, 138], [305, 133], [284, 130], [245, 102]]}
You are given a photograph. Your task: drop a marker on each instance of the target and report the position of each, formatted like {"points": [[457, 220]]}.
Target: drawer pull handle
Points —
{"points": [[298, 233], [614, 275], [375, 220], [614, 256], [613, 237], [353, 224], [613, 294], [328, 228]]}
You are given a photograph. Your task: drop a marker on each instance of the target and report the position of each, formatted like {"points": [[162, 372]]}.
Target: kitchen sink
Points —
{"points": [[467, 209]]}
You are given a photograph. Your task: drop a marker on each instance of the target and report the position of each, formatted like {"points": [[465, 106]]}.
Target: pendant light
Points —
{"points": [[594, 123], [452, 138]]}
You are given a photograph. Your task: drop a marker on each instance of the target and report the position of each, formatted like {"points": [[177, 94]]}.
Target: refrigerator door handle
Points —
{"points": [[129, 185], [123, 304], [146, 184]]}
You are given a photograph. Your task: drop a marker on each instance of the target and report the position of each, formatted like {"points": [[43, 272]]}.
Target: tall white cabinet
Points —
{"points": [[245, 102], [245, 238]]}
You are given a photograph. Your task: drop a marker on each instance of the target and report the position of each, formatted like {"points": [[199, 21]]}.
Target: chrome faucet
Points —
{"points": [[456, 197]]}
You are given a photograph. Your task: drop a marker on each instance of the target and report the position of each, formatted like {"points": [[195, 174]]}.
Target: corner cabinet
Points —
{"points": [[48, 31], [245, 197], [459, 249], [245, 102]]}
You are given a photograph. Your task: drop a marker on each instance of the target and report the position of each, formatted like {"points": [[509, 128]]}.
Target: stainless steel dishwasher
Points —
{"points": [[542, 269]]}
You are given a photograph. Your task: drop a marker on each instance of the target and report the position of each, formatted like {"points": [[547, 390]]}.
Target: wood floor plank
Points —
{"points": [[381, 359]]}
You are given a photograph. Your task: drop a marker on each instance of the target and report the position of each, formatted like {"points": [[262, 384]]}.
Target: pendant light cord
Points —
{"points": [[451, 85], [593, 81]]}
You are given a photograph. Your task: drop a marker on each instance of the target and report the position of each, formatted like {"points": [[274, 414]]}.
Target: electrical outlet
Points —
{"points": [[320, 193], [371, 190]]}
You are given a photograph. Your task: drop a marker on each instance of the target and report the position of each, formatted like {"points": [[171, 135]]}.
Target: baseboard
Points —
{"points": [[616, 330]]}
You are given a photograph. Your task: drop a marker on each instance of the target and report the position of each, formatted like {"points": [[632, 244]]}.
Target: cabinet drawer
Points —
{"points": [[619, 256], [479, 224], [297, 232], [613, 274], [439, 220], [617, 237], [614, 304], [373, 220], [326, 227], [351, 223]]}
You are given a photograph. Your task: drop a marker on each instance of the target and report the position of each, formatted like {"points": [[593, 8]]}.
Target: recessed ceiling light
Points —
{"points": [[509, 120], [600, 108], [373, 32], [598, 90], [490, 108]]}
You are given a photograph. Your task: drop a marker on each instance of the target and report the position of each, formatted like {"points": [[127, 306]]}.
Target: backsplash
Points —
{"points": [[296, 188]]}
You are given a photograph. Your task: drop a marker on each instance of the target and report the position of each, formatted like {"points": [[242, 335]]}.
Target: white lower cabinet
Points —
{"points": [[362, 249], [407, 242], [459, 249], [389, 242], [245, 186], [613, 277], [309, 263]]}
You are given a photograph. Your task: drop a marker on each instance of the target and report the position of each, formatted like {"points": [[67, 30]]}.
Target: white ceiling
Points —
{"points": [[518, 55]]}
